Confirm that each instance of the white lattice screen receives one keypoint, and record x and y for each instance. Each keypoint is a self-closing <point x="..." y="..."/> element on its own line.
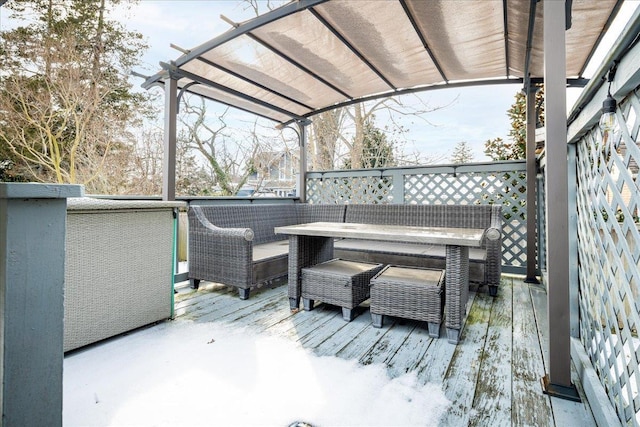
<point x="502" y="182"/>
<point x="608" y="202"/>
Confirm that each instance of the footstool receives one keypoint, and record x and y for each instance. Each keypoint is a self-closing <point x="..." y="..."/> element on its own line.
<point x="338" y="282"/>
<point x="408" y="292"/>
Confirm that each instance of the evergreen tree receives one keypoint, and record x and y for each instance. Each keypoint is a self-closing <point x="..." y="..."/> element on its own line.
<point x="462" y="153"/>
<point x="498" y="149"/>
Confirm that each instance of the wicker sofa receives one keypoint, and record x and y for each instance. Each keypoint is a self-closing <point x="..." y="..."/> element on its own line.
<point x="485" y="263"/>
<point x="236" y="245"/>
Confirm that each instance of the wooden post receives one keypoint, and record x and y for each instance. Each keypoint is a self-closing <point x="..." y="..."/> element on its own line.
<point x="32" y="232"/>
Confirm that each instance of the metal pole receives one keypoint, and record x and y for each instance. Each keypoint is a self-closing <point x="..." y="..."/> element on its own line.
<point x="169" y="160"/>
<point x="302" y="184"/>
<point x="530" y="93"/>
<point x="558" y="381"/>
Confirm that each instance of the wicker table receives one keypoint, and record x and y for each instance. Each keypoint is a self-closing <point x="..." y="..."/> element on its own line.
<point x="408" y="292"/>
<point x="338" y="282"/>
<point x="312" y="243"/>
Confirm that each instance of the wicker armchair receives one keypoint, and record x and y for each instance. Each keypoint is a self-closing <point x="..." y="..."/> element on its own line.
<point x="236" y="244"/>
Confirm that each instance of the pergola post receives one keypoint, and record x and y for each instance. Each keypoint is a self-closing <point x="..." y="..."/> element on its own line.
<point x="532" y="116"/>
<point x="170" y="119"/>
<point x="301" y="185"/>
<point x="558" y="381"/>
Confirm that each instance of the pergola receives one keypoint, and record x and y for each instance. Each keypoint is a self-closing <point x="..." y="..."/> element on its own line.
<point x="311" y="56"/>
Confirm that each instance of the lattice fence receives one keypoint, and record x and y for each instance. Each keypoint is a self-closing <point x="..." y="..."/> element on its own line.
<point x="608" y="202"/>
<point x="503" y="182"/>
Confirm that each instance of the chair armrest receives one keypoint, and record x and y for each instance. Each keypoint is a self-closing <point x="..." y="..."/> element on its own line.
<point x="492" y="234"/>
<point x="216" y="254"/>
<point x="245" y="233"/>
<point x="493" y="243"/>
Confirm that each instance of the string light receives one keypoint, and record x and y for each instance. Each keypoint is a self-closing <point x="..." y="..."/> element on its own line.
<point x="609" y="126"/>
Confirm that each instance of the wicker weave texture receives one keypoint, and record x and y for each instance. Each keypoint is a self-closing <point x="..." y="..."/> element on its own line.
<point x="306" y="251"/>
<point x="222" y="239"/>
<point x="459" y="216"/>
<point x="457" y="286"/>
<point x="118" y="274"/>
<point x="218" y="254"/>
<point x="339" y="282"/>
<point x="409" y="293"/>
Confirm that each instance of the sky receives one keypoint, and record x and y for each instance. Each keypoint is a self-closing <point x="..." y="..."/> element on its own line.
<point x="169" y="375"/>
<point x="473" y="115"/>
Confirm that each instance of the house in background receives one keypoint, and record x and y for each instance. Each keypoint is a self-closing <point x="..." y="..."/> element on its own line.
<point x="276" y="173"/>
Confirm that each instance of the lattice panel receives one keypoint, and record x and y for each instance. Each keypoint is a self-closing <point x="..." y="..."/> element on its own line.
<point x="361" y="189"/>
<point x="476" y="185"/>
<point x="482" y="187"/>
<point x="608" y="200"/>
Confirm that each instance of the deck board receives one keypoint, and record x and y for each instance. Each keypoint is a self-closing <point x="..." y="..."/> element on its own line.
<point x="492" y="377"/>
<point x="433" y="366"/>
<point x="564" y="411"/>
<point x="413" y="350"/>
<point x="492" y="401"/>
<point x="529" y="403"/>
<point x="460" y="381"/>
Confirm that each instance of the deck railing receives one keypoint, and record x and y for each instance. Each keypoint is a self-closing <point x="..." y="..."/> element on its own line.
<point x="472" y="183"/>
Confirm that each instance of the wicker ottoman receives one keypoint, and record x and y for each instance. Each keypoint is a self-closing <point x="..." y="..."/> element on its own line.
<point x="338" y="282"/>
<point x="410" y="293"/>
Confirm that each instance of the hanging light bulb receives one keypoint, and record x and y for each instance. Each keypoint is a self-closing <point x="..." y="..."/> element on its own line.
<point x="609" y="126"/>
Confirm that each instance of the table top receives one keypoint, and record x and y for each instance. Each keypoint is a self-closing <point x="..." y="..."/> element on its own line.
<point x="400" y="233"/>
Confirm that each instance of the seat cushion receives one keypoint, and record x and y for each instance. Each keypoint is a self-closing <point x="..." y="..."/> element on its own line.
<point x="270" y="261"/>
<point x="275" y="249"/>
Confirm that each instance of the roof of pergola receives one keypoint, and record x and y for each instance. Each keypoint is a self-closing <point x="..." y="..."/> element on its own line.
<point x="311" y="56"/>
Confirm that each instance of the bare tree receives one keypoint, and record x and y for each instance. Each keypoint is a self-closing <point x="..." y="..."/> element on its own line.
<point x="49" y="118"/>
<point x="324" y="138"/>
<point x="230" y="153"/>
<point x="339" y="136"/>
<point x="146" y="168"/>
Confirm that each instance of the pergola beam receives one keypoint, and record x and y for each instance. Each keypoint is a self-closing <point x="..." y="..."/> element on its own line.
<point x="412" y="19"/>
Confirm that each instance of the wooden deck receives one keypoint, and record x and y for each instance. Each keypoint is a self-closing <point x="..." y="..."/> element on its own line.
<point x="492" y="377"/>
